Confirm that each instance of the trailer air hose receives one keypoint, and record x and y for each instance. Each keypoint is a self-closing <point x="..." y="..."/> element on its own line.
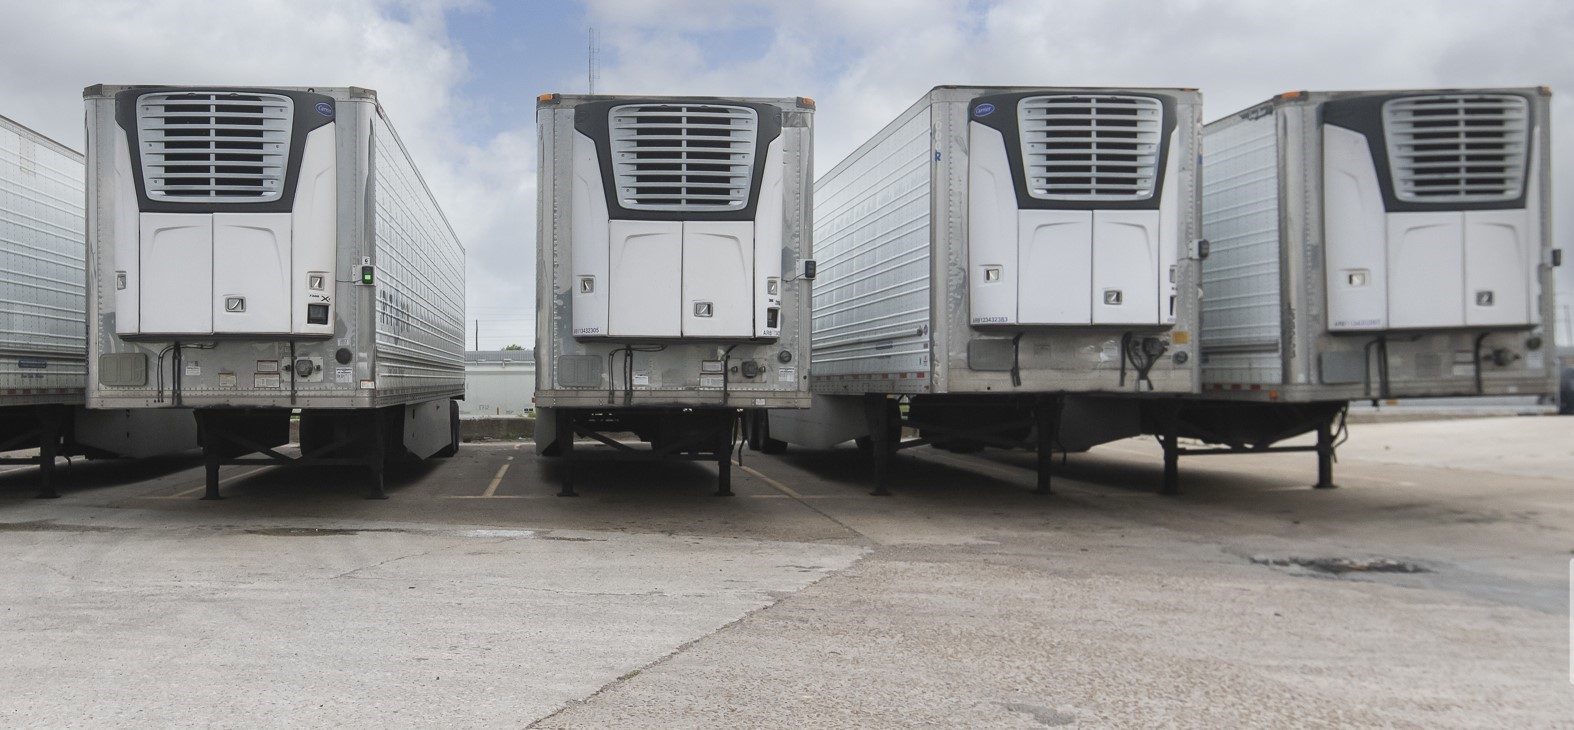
<point x="1125" y="348"/>
<point x="1016" y="360"/>
<point x="726" y="374"/>
<point x="1476" y="350"/>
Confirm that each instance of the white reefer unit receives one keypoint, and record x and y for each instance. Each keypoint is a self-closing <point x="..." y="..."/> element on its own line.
<point x="673" y="259"/>
<point x="1379" y="245"/>
<point x="43" y="334"/>
<point x="994" y="247"/>
<point x="256" y="250"/>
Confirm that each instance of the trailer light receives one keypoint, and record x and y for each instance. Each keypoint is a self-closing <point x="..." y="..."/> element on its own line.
<point x="343" y="356"/>
<point x="785" y="357"/>
<point x="366" y="274"/>
<point x="267" y="366"/>
<point x="772" y="318"/>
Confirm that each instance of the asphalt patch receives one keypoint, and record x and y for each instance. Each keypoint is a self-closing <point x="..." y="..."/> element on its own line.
<point x="1341" y="566"/>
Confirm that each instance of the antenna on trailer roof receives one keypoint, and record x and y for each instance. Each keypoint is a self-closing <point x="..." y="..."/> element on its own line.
<point x="594" y="54"/>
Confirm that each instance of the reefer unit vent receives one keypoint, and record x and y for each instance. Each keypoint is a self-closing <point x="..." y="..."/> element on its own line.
<point x="1431" y="210"/>
<point x="209" y="147"/>
<point x="226" y="205"/>
<point x="1096" y="147"/>
<point x="676" y="221"/>
<point x="687" y="158"/>
<point x="1073" y="209"/>
<point x="1457" y="148"/>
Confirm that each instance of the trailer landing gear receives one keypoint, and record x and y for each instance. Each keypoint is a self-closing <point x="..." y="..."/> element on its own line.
<point x="1245" y="428"/>
<point x="328" y="438"/>
<point x="47" y="427"/>
<point x="1046" y="417"/>
<point x="674" y="434"/>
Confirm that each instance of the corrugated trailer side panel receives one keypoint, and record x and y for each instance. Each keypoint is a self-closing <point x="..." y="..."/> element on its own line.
<point x="1242" y="277"/>
<point x="42" y="257"/>
<point x="872" y="298"/>
<point x="420" y="280"/>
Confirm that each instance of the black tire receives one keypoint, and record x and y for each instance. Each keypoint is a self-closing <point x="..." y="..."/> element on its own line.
<point x="759" y="433"/>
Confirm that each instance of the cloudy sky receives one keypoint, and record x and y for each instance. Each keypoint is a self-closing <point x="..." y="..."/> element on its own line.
<point x="459" y="77"/>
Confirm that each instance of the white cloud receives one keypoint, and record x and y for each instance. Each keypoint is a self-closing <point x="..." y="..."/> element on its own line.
<point x="401" y="48"/>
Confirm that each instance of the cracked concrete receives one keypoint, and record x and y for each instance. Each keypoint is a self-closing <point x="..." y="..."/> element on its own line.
<point x="963" y="601"/>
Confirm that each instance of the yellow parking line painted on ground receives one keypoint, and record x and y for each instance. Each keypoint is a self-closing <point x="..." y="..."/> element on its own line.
<point x="204" y="484"/>
<point x="778" y="486"/>
<point x="491" y="489"/>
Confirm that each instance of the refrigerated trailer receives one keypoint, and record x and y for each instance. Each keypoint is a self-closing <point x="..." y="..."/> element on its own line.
<point x="1370" y="245"/>
<point x="673" y="263"/>
<point x="258" y="252"/>
<point x="43" y="340"/>
<point x="992" y="250"/>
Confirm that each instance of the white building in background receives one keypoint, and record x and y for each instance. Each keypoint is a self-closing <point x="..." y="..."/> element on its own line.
<point x="499" y="383"/>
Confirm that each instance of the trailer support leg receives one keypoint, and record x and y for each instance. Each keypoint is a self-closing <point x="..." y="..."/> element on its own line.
<point x="1325" y="457"/>
<point x="565" y="444"/>
<point x="51" y="429"/>
<point x="877" y="410"/>
<point x="1046" y="414"/>
<point x="210" y="469"/>
<point x="1171" y="443"/>
<point x="378" y="458"/>
<point x="210" y="431"/>
<point x="724" y="452"/>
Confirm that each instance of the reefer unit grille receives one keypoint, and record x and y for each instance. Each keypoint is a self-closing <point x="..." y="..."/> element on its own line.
<point x="214" y="146"/>
<point x="1090" y="146"/>
<point x="684" y="157"/>
<point x="1457" y="148"/>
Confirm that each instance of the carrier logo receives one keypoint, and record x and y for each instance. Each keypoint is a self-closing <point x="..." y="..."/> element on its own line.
<point x="324" y="108"/>
<point x="983" y="110"/>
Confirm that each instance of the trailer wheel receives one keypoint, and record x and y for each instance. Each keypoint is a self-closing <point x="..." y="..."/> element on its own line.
<point x="760" y="435"/>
